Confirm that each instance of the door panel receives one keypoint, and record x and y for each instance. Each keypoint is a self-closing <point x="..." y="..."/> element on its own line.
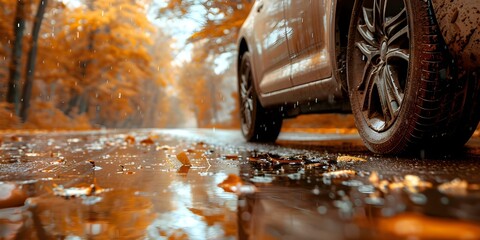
<point x="273" y="61"/>
<point x="307" y="39"/>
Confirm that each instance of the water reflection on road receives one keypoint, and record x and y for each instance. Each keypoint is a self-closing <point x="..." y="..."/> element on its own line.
<point x="165" y="185"/>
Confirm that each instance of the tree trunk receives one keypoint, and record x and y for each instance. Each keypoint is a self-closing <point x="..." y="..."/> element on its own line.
<point x="32" y="57"/>
<point x="13" y="94"/>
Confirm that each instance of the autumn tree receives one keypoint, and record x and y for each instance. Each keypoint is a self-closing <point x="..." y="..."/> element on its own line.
<point x="7" y="16"/>
<point x="13" y="94"/>
<point x="98" y="58"/>
<point x="199" y="87"/>
<point x="220" y="21"/>
<point x="31" y="61"/>
<point x="15" y="39"/>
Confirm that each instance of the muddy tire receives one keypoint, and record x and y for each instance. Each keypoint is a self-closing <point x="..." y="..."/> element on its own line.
<point x="257" y="123"/>
<point x="459" y="21"/>
<point x="401" y="86"/>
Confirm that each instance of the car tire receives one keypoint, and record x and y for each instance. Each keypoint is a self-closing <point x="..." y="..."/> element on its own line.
<point x="403" y="90"/>
<point x="258" y="124"/>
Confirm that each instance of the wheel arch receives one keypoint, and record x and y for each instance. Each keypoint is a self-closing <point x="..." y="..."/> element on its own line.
<point x="341" y="23"/>
<point x="242" y="48"/>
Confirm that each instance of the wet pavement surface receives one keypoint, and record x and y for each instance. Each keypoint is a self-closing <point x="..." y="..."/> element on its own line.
<point x="210" y="184"/>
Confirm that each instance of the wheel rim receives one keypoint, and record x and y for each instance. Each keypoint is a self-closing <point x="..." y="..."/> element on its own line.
<point x="380" y="61"/>
<point x="246" y="97"/>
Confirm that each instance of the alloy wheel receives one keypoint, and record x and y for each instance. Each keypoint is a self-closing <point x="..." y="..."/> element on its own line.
<point x="382" y="50"/>
<point x="246" y="97"/>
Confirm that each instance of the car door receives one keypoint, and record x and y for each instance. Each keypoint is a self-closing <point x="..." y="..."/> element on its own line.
<point x="307" y="40"/>
<point x="272" y="62"/>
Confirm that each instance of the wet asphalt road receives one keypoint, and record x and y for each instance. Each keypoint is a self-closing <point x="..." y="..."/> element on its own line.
<point x="210" y="184"/>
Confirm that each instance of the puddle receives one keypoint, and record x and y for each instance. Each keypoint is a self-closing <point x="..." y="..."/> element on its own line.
<point x="145" y="185"/>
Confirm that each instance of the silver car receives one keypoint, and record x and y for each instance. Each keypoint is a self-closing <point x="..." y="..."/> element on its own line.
<point x="385" y="61"/>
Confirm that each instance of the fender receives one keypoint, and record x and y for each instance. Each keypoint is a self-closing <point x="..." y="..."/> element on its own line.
<point x="459" y="21"/>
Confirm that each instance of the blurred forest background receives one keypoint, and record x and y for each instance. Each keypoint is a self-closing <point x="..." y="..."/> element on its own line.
<point x="82" y="64"/>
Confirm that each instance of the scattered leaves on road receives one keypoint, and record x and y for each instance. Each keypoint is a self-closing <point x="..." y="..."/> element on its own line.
<point x="411" y="183"/>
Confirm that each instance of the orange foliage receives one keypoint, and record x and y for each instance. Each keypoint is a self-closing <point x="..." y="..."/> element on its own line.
<point x="97" y="61"/>
<point x="7" y="118"/>
<point x="222" y="20"/>
<point x="44" y="116"/>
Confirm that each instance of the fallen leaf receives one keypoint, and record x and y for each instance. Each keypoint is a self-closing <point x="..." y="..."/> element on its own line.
<point x="147" y="141"/>
<point x="340" y="174"/>
<point x="91" y="162"/>
<point x="16" y="138"/>
<point x="234" y="184"/>
<point x="183" y="158"/>
<point x="231" y="156"/>
<point x="374" y="179"/>
<point x="11" y="195"/>
<point x="349" y="159"/>
<point x="413" y="183"/>
<point x="130" y="139"/>
<point x="456" y="187"/>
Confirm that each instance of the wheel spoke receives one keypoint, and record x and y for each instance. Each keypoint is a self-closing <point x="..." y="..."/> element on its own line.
<point x="395" y="96"/>
<point x="367" y="35"/>
<point x="378" y="15"/>
<point x="392" y="23"/>
<point x="368" y="51"/>
<point x="384" y="97"/>
<point x="367" y="15"/>
<point x="397" y="35"/>
<point x="398" y="53"/>
<point x="369" y="85"/>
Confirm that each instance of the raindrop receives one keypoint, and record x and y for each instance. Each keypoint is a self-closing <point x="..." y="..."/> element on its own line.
<point x="419" y="198"/>
<point x="322" y="210"/>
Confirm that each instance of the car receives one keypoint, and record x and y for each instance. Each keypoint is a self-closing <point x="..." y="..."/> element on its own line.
<point x="384" y="61"/>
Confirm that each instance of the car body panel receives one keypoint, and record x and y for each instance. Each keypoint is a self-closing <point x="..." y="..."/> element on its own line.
<point x="270" y="54"/>
<point x="458" y="21"/>
<point x="308" y="42"/>
<point x="291" y="67"/>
